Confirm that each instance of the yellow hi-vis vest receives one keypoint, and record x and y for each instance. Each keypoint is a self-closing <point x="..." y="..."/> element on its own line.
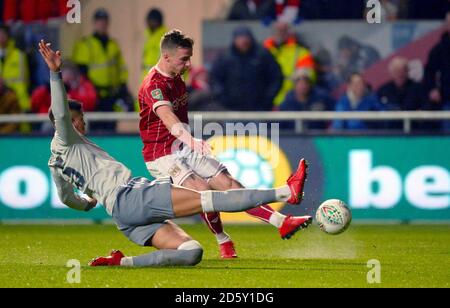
<point x="152" y="51"/>
<point x="14" y="71"/>
<point x="291" y="57"/>
<point x="106" y="66"/>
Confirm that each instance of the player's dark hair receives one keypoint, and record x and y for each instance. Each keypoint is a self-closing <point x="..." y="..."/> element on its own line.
<point x="73" y="106"/>
<point x="176" y="39"/>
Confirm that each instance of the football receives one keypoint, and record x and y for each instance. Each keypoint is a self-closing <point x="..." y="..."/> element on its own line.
<point x="333" y="216"/>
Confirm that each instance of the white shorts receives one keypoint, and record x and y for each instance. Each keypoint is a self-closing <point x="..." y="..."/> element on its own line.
<point x="184" y="163"/>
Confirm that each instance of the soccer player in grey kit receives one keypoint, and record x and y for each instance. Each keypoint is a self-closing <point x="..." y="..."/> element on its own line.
<point x="141" y="209"/>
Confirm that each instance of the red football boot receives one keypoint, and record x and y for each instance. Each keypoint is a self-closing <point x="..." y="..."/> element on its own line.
<point x="292" y="224"/>
<point x="297" y="181"/>
<point x="113" y="259"/>
<point x="227" y="250"/>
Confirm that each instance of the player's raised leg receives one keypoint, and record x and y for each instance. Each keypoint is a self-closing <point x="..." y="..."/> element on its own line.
<point x="188" y="202"/>
<point x="287" y="225"/>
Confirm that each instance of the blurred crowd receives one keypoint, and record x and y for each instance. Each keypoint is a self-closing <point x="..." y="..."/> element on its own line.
<point x="281" y="73"/>
<point x="277" y="74"/>
<point x="293" y="11"/>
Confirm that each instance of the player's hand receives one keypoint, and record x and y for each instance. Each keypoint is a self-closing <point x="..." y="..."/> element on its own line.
<point x="201" y="146"/>
<point x="53" y="59"/>
<point x="91" y="204"/>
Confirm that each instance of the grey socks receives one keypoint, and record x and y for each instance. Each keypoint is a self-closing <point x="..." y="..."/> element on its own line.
<point x="188" y="254"/>
<point x="167" y="257"/>
<point x="236" y="200"/>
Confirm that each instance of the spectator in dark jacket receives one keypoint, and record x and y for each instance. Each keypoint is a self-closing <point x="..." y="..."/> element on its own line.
<point x="246" y="77"/>
<point x="306" y="97"/>
<point x="437" y="75"/>
<point x="401" y="93"/>
<point x="358" y="98"/>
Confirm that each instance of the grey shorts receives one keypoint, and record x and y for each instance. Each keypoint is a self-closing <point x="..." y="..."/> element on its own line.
<point x="142" y="207"/>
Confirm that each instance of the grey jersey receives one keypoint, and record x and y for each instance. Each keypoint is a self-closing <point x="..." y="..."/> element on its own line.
<point x="76" y="162"/>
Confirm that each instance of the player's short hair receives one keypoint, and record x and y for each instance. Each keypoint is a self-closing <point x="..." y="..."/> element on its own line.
<point x="176" y="39"/>
<point x="73" y="106"/>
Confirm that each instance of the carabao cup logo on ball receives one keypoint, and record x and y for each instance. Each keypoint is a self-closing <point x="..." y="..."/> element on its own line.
<point x="256" y="162"/>
<point x="333" y="216"/>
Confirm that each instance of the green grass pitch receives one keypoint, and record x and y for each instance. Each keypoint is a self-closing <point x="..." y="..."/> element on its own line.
<point x="410" y="256"/>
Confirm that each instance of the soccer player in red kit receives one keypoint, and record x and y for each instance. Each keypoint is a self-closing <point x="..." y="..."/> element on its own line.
<point x="171" y="151"/>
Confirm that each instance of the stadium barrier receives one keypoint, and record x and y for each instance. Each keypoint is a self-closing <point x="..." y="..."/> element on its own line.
<point x="299" y="117"/>
<point x="383" y="177"/>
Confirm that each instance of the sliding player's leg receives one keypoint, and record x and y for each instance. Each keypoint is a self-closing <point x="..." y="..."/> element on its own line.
<point x="142" y="208"/>
<point x="176" y="248"/>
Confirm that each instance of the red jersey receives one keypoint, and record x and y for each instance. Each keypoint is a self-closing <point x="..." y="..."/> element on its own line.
<point x="158" y="90"/>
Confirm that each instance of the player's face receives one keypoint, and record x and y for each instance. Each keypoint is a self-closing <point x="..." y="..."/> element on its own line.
<point x="180" y="60"/>
<point x="78" y="122"/>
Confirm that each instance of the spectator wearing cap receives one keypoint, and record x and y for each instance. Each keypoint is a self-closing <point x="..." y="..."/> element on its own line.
<point x="99" y="58"/>
<point x="306" y="97"/>
<point x="290" y="55"/>
<point x="401" y="93"/>
<point x="246" y="77"/>
<point x="357" y="98"/>
<point x="153" y="34"/>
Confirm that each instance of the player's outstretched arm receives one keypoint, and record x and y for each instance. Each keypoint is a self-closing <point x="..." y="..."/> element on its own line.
<point x="60" y="108"/>
<point x="177" y="129"/>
